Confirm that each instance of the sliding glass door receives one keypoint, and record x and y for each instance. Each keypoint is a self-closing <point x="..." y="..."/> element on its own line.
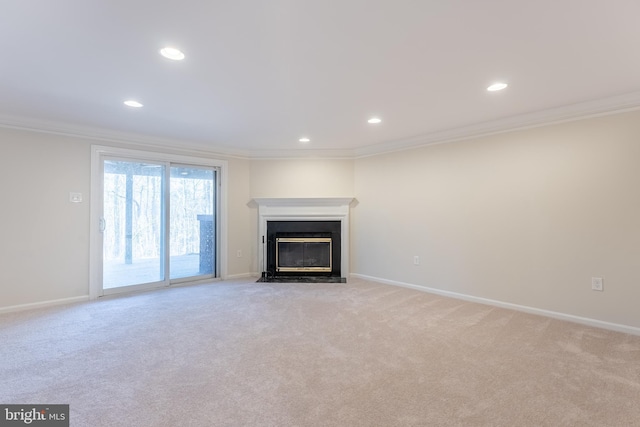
<point x="158" y="223"/>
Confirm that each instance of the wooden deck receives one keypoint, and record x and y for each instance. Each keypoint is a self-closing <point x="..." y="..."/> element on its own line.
<point x="117" y="273"/>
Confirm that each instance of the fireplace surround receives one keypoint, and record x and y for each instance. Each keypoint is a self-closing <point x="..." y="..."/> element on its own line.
<point x="303" y="239"/>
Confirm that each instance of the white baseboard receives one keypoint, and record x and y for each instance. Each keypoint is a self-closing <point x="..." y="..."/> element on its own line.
<point x="242" y="276"/>
<point x="42" y="304"/>
<point x="523" y="308"/>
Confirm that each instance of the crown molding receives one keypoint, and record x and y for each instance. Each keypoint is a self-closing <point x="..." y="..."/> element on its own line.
<point x="579" y="111"/>
<point x="112" y="136"/>
<point x="335" y="154"/>
<point x="147" y="141"/>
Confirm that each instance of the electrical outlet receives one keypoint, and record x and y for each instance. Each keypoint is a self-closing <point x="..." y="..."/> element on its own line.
<point x="239" y="253"/>
<point x="597" y="284"/>
<point x="75" y="197"/>
<point x="416" y="260"/>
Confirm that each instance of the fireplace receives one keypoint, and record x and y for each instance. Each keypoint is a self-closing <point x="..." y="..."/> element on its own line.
<point x="304" y="240"/>
<point x="303" y="250"/>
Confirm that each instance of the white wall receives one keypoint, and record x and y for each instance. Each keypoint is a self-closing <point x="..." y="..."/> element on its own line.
<point x="239" y="219"/>
<point x="302" y="178"/>
<point x="525" y="218"/>
<point x="44" y="243"/>
<point x="44" y="238"/>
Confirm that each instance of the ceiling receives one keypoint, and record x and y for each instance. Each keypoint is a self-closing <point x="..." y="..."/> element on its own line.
<point x="259" y="75"/>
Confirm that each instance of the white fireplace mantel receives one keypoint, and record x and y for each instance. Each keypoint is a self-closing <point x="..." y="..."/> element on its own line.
<point x="305" y="209"/>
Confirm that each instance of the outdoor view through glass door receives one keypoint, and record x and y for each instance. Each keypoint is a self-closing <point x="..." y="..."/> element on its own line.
<point x="192" y="222"/>
<point x="158" y="223"/>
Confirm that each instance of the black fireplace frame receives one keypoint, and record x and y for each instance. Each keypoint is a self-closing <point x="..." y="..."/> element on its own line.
<point x="275" y="229"/>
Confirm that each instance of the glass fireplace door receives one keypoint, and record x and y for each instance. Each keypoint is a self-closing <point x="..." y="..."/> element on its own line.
<point x="303" y="254"/>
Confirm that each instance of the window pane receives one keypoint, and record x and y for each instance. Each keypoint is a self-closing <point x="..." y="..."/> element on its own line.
<point x="132" y="238"/>
<point x="191" y="228"/>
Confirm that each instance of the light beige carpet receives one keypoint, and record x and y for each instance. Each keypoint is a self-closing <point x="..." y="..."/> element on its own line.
<point x="270" y="354"/>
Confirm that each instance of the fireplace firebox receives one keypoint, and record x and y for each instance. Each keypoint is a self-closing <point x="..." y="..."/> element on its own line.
<point x="303" y="254"/>
<point x="305" y="251"/>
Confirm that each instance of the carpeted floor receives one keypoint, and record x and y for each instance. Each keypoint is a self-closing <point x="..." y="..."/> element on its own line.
<point x="240" y="353"/>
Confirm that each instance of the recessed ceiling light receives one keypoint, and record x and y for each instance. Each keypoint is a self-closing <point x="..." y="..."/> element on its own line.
<point x="497" y="86"/>
<point x="172" y="53"/>
<point x="132" y="103"/>
<point x="304" y="140"/>
<point x="374" y="120"/>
